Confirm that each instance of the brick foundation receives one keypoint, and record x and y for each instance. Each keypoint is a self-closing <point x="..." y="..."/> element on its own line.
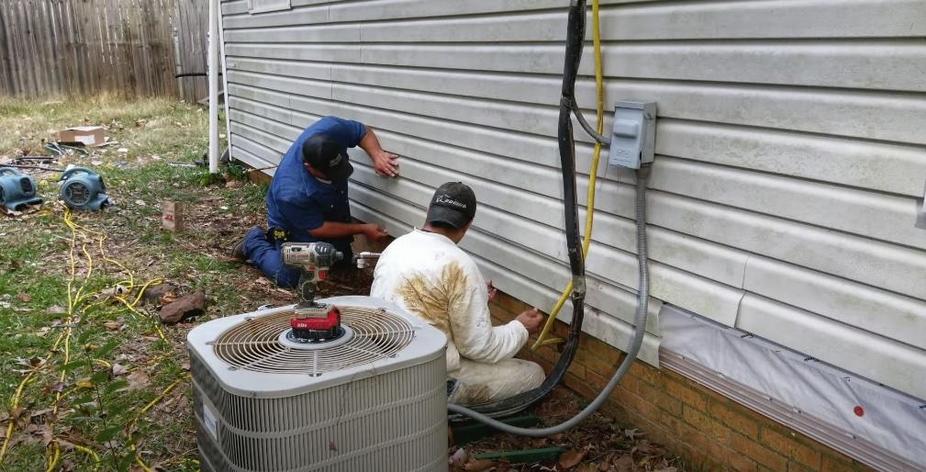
<point x="707" y="430"/>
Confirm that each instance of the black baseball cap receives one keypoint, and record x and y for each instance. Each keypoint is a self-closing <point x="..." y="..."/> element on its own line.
<point x="454" y="203"/>
<point x="327" y="156"/>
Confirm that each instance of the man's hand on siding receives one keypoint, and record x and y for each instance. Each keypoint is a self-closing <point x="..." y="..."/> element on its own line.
<point x="386" y="163"/>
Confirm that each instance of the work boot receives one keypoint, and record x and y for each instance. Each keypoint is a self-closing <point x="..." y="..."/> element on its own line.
<point x="237" y="249"/>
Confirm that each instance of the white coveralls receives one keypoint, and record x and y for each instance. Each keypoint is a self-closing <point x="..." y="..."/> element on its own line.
<point x="429" y="276"/>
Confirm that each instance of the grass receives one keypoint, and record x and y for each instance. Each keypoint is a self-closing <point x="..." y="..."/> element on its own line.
<point x="98" y="380"/>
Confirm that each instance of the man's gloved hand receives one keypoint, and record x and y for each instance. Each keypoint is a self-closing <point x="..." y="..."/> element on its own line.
<point x="531" y="319"/>
<point x="386" y="163"/>
<point x="374" y="232"/>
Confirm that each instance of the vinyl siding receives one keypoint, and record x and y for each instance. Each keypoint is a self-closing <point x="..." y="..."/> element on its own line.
<point x="790" y="151"/>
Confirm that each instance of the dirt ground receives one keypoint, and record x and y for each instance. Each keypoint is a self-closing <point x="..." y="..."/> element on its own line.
<point x="89" y="377"/>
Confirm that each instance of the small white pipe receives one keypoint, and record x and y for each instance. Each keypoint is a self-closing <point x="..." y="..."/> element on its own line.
<point x="213" y="67"/>
<point x="224" y="61"/>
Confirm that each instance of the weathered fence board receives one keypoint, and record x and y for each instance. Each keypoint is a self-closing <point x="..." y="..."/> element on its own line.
<point x="129" y="47"/>
<point x="192" y="31"/>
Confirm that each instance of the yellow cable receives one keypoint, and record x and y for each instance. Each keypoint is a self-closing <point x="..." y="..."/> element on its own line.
<point x="55" y="457"/>
<point x="87" y="451"/>
<point x="160" y="397"/>
<point x="131" y="306"/>
<point x="138" y="459"/>
<point x="75" y="298"/>
<point x="592" y="177"/>
<point x="17" y="397"/>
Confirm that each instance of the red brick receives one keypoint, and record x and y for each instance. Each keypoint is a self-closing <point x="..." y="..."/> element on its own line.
<point x="736" y="421"/>
<point x="759" y="453"/>
<point x="577" y="370"/>
<point x="840" y="463"/>
<point x="660" y="399"/>
<point x="631" y="383"/>
<point x="547" y="354"/>
<point x="577" y="384"/>
<point x="595" y="380"/>
<point x="806" y="456"/>
<point x="640" y="405"/>
<point x="604" y="364"/>
<point x="706" y="424"/>
<point x="789" y="446"/>
<point x="740" y="463"/>
<point x="686" y="394"/>
<point x="647" y="373"/>
<point x="798" y="467"/>
<point x="710" y="453"/>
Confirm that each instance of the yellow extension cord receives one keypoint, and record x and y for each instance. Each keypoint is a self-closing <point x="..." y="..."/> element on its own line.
<point x="74" y="301"/>
<point x="592" y="180"/>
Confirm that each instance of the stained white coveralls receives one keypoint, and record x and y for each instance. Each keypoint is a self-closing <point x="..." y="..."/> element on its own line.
<point x="429" y="276"/>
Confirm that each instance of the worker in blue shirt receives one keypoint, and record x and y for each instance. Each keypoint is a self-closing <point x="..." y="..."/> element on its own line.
<point x="307" y="200"/>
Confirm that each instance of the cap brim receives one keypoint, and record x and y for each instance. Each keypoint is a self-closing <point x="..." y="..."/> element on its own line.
<point x="342" y="171"/>
<point x="441" y="214"/>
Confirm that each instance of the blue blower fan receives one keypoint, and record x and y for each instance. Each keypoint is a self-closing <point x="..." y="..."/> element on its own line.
<point x="82" y="189"/>
<point x="17" y="190"/>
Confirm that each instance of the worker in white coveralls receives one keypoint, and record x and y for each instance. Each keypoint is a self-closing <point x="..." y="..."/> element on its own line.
<point x="427" y="274"/>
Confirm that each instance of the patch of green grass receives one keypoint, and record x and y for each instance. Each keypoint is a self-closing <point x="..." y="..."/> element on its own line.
<point x="98" y="408"/>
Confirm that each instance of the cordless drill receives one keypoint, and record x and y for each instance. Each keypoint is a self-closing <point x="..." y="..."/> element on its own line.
<point x="313" y="322"/>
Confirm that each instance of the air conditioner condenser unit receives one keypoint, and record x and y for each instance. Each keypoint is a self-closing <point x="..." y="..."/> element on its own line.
<point x="373" y="399"/>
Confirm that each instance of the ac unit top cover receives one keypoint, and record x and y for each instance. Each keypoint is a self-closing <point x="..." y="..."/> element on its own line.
<point x="250" y="356"/>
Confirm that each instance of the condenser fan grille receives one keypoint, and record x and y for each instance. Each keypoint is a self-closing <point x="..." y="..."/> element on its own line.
<point x="255" y="344"/>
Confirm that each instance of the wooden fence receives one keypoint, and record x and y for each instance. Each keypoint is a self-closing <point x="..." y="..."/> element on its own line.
<point x="128" y="47"/>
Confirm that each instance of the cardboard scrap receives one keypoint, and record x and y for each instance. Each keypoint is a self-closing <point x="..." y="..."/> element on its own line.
<point x="90" y="136"/>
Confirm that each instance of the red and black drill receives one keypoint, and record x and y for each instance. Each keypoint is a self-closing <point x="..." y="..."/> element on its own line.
<point x="313" y="322"/>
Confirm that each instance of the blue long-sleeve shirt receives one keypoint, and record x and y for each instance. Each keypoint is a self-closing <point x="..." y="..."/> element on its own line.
<point x="297" y="201"/>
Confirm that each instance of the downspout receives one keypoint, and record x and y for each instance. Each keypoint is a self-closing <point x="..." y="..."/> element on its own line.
<point x="224" y="60"/>
<point x="213" y="66"/>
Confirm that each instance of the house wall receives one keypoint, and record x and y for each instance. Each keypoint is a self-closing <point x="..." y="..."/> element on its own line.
<point x="789" y="151"/>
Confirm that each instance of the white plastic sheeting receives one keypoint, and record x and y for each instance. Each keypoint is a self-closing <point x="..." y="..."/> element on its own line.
<point x="866" y="420"/>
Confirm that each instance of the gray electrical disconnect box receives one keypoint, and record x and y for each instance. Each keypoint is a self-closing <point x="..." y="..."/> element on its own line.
<point x="633" y="138"/>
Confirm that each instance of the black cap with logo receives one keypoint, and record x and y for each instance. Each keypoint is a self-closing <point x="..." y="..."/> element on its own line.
<point x="327" y="156"/>
<point x="453" y="204"/>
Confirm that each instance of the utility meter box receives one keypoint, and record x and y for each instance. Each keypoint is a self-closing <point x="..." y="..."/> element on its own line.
<point x="633" y="138"/>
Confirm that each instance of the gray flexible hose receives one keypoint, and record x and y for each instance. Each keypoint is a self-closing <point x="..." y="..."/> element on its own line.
<point x="639" y="329"/>
<point x="601" y="139"/>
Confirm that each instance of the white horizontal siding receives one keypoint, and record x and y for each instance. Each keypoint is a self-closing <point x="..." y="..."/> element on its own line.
<point x="790" y="151"/>
<point x="627" y="20"/>
<point x="859" y="258"/>
<point x="872" y="115"/>
<point x="867" y="64"/>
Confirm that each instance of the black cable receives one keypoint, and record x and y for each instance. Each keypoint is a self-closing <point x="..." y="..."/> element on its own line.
<point x="575" y="35"/>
